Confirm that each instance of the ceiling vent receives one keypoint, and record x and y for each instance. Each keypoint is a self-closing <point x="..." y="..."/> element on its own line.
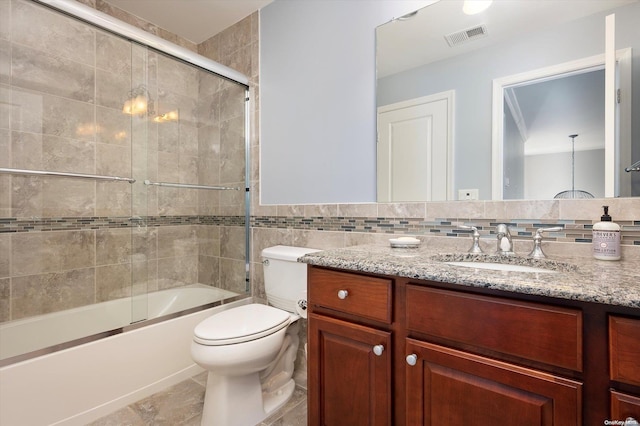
<point x="463" y="36"/>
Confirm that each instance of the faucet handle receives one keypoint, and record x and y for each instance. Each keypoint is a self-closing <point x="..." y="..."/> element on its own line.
<point x="537" y="252"/>
<point x="475" y="248"/>
<point x="539" y="231"/>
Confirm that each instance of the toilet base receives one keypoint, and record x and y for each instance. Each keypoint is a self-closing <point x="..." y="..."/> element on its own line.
<point x="275" y="399"/>
<point x="240" y="401"/>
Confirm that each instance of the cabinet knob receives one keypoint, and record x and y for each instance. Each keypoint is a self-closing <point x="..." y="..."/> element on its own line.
<point x="342" y="294"/>
<point x="412" y="359"/>
<point x="378" y="349"/>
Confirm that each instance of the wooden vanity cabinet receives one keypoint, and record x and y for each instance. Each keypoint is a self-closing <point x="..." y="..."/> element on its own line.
<point x="349" y="349"/>
<point x="624" y="366"/>
<point x="459" y="355"/>
<point x="445" y="385"/>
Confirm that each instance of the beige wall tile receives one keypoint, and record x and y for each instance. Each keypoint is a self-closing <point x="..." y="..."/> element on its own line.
<point x="113" y="282"/>
<point x="26" y="150"/>
<point x="113" y="127"/>
<point x="67" y="118"/>
<point x="358" y="210"/>
<point x="113" y="199"/>
<point x="145" y="243"/>
<point x="458" y="209"/>
<point x="112" y="89"/>
<point x="36" y="253"/>
<point x="232" y="275"/>
<point x="26" y="196"/>
<point x="619" y="208"/>
<point x="113" y="53"/>
<point x="113" y="246"/>
<point x="113" y="160"/>
<point x="262" y="238"/>
<point x="177" y="272"/>
<point x="26" y="109"/>
<point x="319" y="239"/>
<point x="177" y="241"/>
<point x="209" y="270"/>
<point x="541" y="209"/>
<point x="68" y="155"/>
<point x="321" y="210"/>
<point x="38" y="70"/>
<point x="5" y="255"/>
<point x="6" y="110"/>
<point x="144" y="276"/>
<point x="5" y="20"/>
<point x="5" y="299"/>
<point x="177" y="77"/>
<point x="208" y="240"/>
<point x="232" y="242"/>
<point x="290" y="210"/>
<point x="35" y="26"/>
<point x="5" y="60"/>
<point x="5" y="196"/>
<point x="415" y="210"/>
<point x="65" y="197"/>
<point x="51" y="292"/>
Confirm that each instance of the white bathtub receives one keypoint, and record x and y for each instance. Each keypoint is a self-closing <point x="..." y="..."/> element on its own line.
<point x="43" y="331"/>
<point x="80" y="384"/>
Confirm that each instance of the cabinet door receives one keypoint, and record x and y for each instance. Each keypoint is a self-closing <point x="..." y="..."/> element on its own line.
<point x="349" y="383"/>
<point x="624" y="406"/>
<point x="454" y="388"/>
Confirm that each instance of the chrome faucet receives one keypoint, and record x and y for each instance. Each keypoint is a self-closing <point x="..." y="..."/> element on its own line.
<point x="537" y="252"/>
<point x="505" y="245"/>
<point x="475" y="247"/>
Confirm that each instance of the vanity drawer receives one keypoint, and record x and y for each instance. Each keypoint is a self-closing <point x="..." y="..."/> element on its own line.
<point x="537" y="332"/>
<point x="624" y="349"/>
<point x="367" y="297"/>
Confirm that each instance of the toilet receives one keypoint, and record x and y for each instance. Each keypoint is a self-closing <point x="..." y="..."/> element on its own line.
<point x="249" y="351"/>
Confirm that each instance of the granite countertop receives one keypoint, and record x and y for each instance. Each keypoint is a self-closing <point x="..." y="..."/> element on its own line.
<point x="584" y="279"/>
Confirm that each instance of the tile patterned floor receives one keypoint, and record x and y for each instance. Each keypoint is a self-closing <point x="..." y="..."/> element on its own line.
<point x="181" y="405"/>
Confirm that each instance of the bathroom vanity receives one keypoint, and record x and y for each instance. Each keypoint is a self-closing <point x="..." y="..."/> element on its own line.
<point x="398" y="337"/>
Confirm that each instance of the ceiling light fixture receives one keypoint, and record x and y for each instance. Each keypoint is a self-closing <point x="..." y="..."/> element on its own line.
<point x="471" y="7"/>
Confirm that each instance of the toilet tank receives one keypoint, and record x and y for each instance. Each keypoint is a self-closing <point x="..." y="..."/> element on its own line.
<point x="285" y="280"/>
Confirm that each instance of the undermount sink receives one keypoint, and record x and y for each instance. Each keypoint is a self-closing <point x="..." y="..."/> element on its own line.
<point x="501" y="267"/>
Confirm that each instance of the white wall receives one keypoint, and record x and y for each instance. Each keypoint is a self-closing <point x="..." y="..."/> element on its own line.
<point x="317" y="99"/>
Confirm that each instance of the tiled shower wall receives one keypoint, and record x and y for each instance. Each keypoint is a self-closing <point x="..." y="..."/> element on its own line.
<point x="69" y="242"/>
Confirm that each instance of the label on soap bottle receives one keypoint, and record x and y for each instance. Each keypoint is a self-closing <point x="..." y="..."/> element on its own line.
<point x="606" y="245"/>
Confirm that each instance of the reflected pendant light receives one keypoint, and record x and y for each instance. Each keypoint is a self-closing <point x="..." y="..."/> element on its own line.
<point x="573" y="192"/>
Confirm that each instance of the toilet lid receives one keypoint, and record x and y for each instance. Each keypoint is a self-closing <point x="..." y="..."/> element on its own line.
<point x="241" y="324"/>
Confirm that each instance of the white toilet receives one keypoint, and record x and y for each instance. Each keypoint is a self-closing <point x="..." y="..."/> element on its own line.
<point x="250" y="350"/>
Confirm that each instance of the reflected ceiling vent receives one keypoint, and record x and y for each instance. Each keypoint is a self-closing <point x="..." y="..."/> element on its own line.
<point x="464" y="36"/>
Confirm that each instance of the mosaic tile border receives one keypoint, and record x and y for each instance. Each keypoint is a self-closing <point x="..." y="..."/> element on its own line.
<point x="578" y="231"/>
<point x="88" y="223"/>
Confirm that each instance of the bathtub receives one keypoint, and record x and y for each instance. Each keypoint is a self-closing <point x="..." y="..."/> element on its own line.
<point x="65" y="327"/>
<point x="82" y="383"/>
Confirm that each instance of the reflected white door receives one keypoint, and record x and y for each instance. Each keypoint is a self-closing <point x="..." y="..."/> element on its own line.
<point x="414" y="149"/>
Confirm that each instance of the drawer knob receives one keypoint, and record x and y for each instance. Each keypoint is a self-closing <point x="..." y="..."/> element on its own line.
<point x="378" y="349"/>
<point x="342" y="294"/>
<point x="412" y="359"/>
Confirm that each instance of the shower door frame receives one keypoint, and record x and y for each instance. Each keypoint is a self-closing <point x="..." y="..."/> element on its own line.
<point x="112" y="25"/>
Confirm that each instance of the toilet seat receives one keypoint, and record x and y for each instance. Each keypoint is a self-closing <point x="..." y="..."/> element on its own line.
<point x="241" y="324"/>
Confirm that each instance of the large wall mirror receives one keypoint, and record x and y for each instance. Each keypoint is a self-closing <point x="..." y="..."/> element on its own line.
<point x="508" y="103"/>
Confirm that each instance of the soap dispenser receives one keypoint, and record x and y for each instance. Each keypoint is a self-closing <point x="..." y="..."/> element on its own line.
<point x="606" y="238"/>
